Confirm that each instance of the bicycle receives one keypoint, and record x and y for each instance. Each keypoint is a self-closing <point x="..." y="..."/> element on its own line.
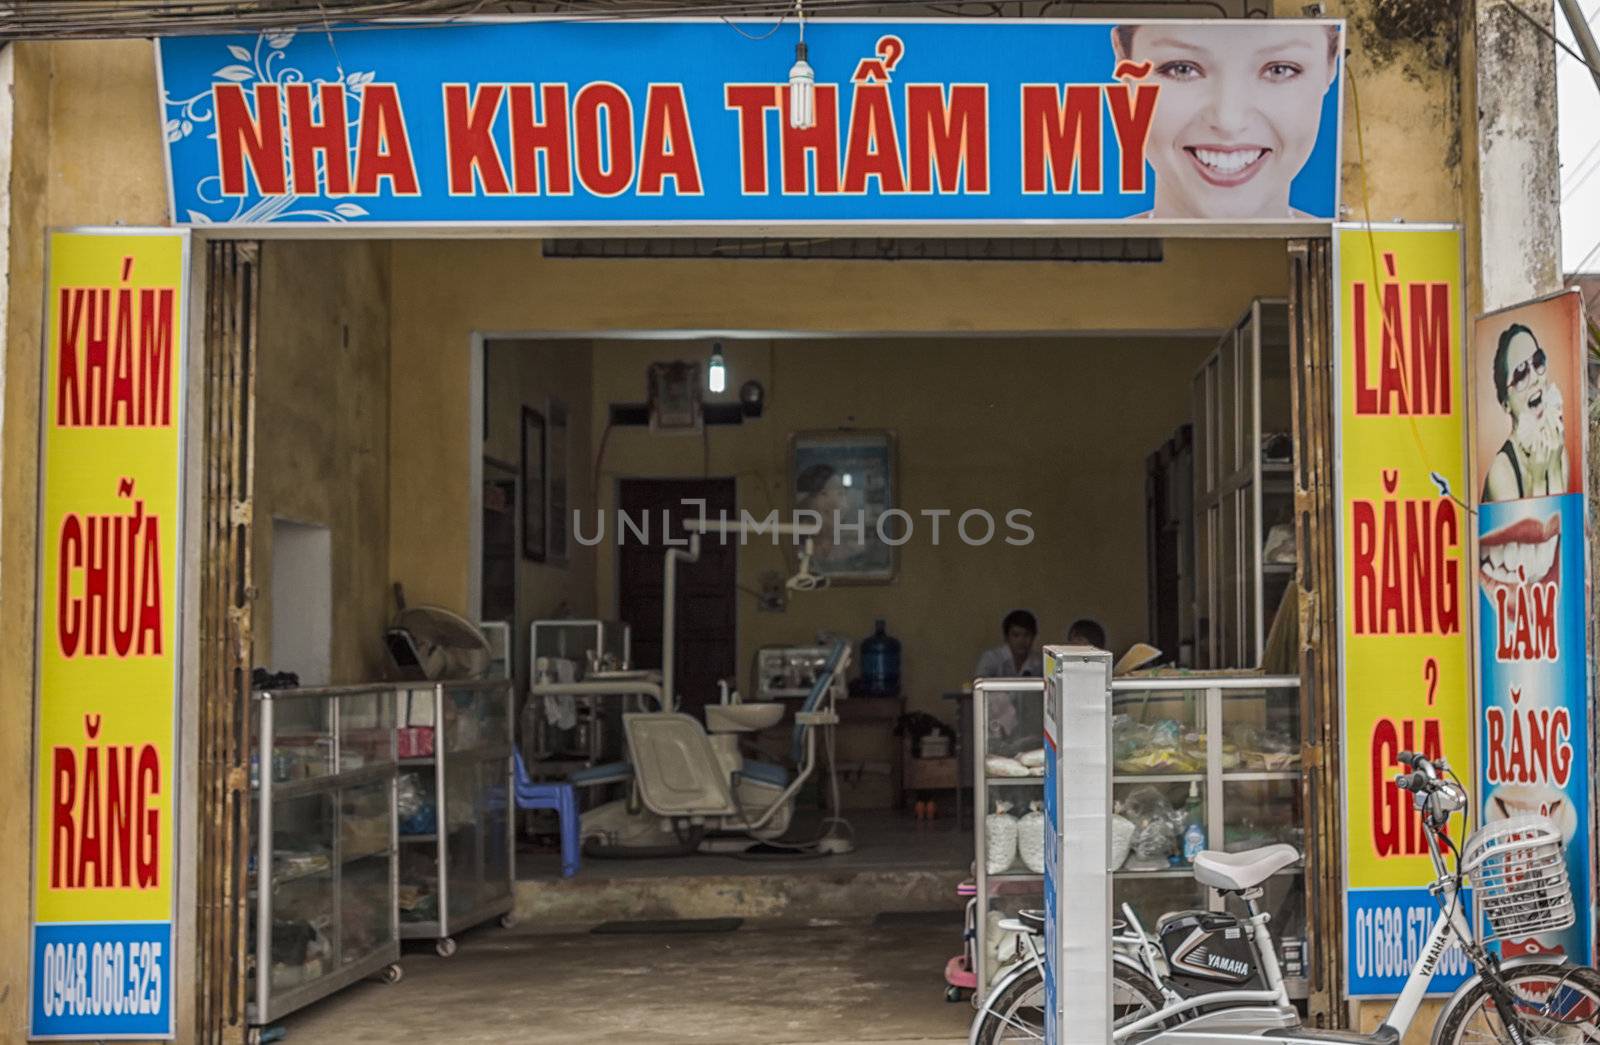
<point x="1214" y="978"/>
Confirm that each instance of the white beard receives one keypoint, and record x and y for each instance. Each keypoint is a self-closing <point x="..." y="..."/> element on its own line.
<point x="1539" y="438"/>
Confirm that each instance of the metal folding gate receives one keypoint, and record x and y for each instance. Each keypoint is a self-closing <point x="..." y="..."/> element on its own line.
<point x="1312" y="363"/>
<point x="226" y="594"/>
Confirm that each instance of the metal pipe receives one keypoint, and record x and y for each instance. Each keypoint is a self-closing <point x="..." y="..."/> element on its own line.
<point x="264" y="882"/>
<point x="1583" y="37"/>
<point x="669" y="613"/>
<point x="620" y="688"/>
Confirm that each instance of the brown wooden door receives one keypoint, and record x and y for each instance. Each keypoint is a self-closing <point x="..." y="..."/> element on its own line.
<point x="707" y="610"/>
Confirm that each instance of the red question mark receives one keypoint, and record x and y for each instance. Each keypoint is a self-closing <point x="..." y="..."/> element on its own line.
<point x="1430" y="672"/>
<point x="890" y="48"/>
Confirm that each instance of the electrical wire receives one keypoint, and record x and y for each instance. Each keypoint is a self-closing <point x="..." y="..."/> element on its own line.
<point x="1390" y="334"/>
<point x="109" y="19"/>
<point x="1581" y="60"/>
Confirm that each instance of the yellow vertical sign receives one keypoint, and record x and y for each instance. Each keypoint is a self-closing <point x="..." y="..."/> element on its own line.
<point x="106" y="784"/>
<point x="1405" y="533"/>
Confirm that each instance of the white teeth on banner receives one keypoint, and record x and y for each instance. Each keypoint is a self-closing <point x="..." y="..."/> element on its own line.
<point x="1230" y="162"/>
<point x="1501" y="563"/>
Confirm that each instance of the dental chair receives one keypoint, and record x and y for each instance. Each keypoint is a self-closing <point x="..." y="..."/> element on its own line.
<point x="692" y="790"/>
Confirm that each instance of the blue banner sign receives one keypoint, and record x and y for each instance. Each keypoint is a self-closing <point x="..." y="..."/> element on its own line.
<point x="1187" y="126"/>
<point x="1535" y="731"/>
<point x="1530" y="411"/>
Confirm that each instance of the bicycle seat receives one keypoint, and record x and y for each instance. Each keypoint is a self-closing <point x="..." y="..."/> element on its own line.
<point x="1246" y="870"/>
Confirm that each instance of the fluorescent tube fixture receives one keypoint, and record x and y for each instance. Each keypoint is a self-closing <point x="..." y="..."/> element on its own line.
<point x="717" y="371"/>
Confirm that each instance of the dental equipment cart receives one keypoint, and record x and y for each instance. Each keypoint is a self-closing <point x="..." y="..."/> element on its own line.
<point x="323" y="864"/>
<point x="594" y="648"/>
<point x="457" y="852"/>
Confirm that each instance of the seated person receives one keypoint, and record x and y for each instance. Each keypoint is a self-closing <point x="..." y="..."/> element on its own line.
<point x="1087" y="632"/>
<point x="1016" y="720"/>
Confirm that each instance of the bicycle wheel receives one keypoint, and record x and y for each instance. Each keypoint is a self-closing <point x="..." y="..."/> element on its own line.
<point x="1016" y="1014"/>
<point x="1556" y="1004"/>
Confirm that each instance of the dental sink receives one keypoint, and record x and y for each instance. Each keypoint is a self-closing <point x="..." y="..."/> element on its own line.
<point x="742" y="718"/>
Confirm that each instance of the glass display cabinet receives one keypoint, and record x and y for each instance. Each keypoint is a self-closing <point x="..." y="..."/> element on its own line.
<point x="457" y="854"/>
<point x="1008" y="784"/>
<point x="1220" y="750"/>
<point x="322" y="873"/>
<point x="1243" y="465"/>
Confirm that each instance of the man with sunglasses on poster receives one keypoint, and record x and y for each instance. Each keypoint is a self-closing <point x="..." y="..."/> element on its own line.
<point x="1533" y="461"/>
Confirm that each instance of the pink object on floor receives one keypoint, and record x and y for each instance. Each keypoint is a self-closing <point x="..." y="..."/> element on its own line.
<point x="957" y="974"/>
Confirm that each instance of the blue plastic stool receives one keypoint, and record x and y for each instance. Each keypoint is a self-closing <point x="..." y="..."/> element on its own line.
<point x="562" y="799"/>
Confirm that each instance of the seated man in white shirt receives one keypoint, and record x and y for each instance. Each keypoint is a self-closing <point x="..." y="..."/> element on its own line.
<point x="1016" y="720"/>
<point x="1016" y="657"/>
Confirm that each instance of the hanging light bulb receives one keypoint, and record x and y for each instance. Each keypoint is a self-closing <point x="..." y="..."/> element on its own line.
<point x="717" y="371"/>
<point x="802" y="81"/>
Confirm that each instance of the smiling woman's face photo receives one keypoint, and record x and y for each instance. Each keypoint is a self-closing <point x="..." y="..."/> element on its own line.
<point x="1237" y="116"/>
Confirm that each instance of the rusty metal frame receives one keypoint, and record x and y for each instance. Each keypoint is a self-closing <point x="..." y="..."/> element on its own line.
<point x="1317" y="578"/>
<point x="226" y="595"/>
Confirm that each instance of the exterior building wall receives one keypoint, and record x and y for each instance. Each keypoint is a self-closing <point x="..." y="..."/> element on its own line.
<point x="85" y="136"/>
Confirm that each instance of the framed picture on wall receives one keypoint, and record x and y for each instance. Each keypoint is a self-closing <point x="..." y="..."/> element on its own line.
<point x="534" y="531"/>
<point x="847" y="477"/>
<point x="556" y="464"/>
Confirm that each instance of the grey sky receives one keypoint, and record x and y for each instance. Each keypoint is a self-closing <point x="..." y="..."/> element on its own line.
<point x="1579" y="101"/>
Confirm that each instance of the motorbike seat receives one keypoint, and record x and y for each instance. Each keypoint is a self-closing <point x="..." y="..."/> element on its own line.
<point x="1235" y="872"/>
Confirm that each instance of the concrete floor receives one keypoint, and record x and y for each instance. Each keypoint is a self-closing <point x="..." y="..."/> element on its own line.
<point x="884" y="840"/>
<point x="774" y="985"/>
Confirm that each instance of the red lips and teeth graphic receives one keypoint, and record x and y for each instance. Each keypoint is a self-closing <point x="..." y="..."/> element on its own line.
<point x="1525" y="552"/>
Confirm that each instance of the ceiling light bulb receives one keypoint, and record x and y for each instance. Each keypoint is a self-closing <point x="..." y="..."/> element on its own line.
<point x="717" y="371"/>
<point x="802" y="91"/>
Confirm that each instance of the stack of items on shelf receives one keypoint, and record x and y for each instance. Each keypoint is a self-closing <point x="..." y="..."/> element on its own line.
<point x="1009" y="837"/>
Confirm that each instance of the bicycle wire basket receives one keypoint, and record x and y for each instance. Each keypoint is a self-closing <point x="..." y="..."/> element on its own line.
<point x="1519" y="878"/>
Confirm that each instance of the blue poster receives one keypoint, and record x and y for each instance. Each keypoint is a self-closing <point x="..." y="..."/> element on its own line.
<point x="554" y="123"/>
<point x="102" y="980"/>
<point x="1534" y="733"/>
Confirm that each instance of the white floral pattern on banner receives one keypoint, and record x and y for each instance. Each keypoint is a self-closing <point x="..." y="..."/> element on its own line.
<point x="266" y="63"/>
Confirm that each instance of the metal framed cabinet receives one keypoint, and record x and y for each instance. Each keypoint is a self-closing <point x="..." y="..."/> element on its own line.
<point x="1243" y="488"/>
<point x="1234" y="737"/>
<point x="323" y="875"/>
<point x="458" y="853"/>
<point x="1235" y="741"/>
<point x="1007" y="721"/>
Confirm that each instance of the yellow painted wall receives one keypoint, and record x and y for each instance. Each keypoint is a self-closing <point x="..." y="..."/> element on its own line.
<point x="1056" y="426"/>
<point x="445" y="291"/>
<point x="322" y="434"/>
<point x="529" y="373"/>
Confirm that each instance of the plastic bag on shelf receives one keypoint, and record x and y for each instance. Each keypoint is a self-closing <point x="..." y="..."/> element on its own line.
<point x="1030" y="837"/>
<point x="1000" y="834"/>
<point x="1000" y="765"/>
<point x="1156" y="826"/>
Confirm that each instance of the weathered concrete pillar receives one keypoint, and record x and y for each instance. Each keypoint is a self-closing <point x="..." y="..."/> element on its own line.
<point x="1518" y="198"/>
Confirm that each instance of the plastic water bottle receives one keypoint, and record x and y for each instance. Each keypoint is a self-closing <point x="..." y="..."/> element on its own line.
<point x="880" y="662"/>
<point x="1194" y="834"/>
